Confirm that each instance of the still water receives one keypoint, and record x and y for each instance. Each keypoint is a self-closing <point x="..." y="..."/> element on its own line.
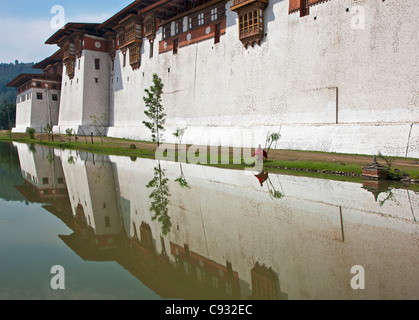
<point x="125" y="228"/>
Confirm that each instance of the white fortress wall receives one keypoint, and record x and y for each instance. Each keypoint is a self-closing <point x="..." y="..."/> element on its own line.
<point x="44" y="111"/>
<point x="71" y="103"/>
<point x="88" y="93"/>
<point x="97" y="94"/>
<point x="23" y="116"/>
<point x="323" y="81"/>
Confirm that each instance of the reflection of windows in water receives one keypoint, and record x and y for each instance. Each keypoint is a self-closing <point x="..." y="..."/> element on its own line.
<point x="187" y="268"/>
<point x="229" y="288"/>
<point x="199" y="274"/>
<point x="215" y="281"/>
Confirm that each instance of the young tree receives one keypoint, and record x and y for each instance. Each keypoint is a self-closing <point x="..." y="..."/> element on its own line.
<point x="99" y="123"/>
<point x="48" y="130"/>
<point x="179" y="134"/>
<point x="69" y="132"/>
<point x="154" y="109"/>
<point x="270" y="139"/>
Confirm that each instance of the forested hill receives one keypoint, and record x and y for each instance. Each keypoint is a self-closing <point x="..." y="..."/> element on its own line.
<point x="9" y="71"/>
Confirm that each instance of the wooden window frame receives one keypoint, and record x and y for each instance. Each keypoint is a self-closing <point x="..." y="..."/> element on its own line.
<point x="304" y="8"/>
<point x="97" y="64"/>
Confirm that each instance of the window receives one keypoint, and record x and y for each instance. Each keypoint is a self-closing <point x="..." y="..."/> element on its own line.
<point x="55" y="97"/>
<point x="149" y="26"/>
<point x="135" y="57"/>
<point x="200" y="19"/>
<point x="38" y="84"/>
<point x="179" y="26"/>
<point x="96" y="80"/>
<point x="54" y="86"/>
<point x="107" y="221"/>
<point x="217" y="33"/>
<point x="151" y="49"/>
<point x="251" y="23"/>
<point x="39" y="95"/>
<point x="214" y="15"/>
<point x="251" y="26"/>
<point x="60" y="180"/>
<point x="304" y="8"/>
<point x="175" y="45"/>
<point x="125" y="60"/>
<point x="167" y="32"/>
<point x="97" y="64"/>
<point x="45" y="180"/>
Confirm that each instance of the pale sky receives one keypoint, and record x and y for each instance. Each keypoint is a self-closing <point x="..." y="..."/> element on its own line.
<point x="25" y="25"/>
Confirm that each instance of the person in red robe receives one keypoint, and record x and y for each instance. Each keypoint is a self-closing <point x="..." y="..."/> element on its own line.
<point x="261" y="154"/>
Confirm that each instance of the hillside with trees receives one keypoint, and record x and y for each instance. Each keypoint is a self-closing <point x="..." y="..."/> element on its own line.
<point x="9" y="71"/>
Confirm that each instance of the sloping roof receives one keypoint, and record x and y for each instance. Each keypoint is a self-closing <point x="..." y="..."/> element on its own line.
<point x="56" y="57"/>
<point x="132" y="8"/>
<point x="144" y="6"/>
<point x="25" y="77"/>
<point x="90" y="28"/>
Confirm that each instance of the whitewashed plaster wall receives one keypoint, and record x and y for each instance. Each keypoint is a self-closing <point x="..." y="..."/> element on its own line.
<point x="307" y="74"/>
<point x="23" y="116"/>
<point x="82" y="97"/>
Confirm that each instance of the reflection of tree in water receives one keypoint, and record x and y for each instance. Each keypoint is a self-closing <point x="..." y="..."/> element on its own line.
<point x="103" y="172"/>
<point x="160" y="199"/>
<point x="182" y="180"/>
<point x="263" y="177"/>
<point x="272" y="190"/>
<point x="390" y="196"/>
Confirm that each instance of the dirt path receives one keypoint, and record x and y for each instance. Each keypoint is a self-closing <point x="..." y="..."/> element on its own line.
<point x="295" y="155"/>
<point x="284" y="155"/>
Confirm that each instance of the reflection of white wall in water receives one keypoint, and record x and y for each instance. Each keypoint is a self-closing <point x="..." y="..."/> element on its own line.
<point x="91" y="184"/>
<point x="40" y="167"/>
<point x="311" y="237"/>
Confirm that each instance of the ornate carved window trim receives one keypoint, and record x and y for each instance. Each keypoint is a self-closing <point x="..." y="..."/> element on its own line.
<point x="150" y="27"/>
<point x="251" y="20"/>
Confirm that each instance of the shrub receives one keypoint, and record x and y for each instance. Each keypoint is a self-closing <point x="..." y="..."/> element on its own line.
<point x="31" y="132"/>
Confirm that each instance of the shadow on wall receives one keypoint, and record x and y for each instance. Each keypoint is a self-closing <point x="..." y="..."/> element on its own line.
<point x="118" y="82"/>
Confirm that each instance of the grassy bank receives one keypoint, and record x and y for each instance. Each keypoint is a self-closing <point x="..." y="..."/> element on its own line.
<point x="307" y="163"/>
